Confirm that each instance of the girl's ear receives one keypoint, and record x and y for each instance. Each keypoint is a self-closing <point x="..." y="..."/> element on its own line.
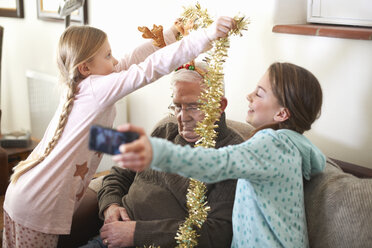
<point x="282" y="115"/>
<point x="84" y="69"/>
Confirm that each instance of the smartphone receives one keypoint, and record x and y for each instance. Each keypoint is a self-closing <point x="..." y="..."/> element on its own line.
<point x="108" y="140"/>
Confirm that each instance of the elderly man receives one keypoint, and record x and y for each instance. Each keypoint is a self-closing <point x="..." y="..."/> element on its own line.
<point x="147" y="208"/>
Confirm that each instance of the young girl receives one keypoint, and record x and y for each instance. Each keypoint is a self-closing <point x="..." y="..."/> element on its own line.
<point x="46" y="188"/>
<point x="269" y="203"/>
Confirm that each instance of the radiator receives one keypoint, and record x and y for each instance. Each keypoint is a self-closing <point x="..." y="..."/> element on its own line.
<point x="44" y="95"/>
<point x="43" y="99"/>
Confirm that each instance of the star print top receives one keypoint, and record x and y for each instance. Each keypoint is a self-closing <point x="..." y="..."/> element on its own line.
<point x="269" y="200"/>
<point x="44" y="198"/>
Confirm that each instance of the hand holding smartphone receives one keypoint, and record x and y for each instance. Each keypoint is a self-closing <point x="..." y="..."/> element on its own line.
<point x="108" y="140"/>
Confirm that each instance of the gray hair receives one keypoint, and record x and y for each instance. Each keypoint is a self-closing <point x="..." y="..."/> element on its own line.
<point x="190" y="76"/>
<point x="186" y="75"/>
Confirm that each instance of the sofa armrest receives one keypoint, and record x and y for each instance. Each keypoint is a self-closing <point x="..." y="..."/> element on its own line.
<point x="356" y="170"/>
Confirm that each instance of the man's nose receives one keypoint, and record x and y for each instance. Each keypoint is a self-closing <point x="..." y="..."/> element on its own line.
<point x="184" y="114"/>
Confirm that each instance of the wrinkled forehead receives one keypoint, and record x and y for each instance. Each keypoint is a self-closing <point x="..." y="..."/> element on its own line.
<point x="186" y="92"/>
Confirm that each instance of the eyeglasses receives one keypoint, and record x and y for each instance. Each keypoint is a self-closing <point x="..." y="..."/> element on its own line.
<point x="191" y="109"/>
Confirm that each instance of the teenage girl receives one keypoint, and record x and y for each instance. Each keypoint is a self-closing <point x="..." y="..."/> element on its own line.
<point x="48" y="186"/>
<point x="269" y="206"/>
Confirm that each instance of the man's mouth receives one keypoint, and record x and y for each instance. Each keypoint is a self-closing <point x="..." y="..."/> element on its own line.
<point x="188" y="126"/>
<point x="188" y="129"/>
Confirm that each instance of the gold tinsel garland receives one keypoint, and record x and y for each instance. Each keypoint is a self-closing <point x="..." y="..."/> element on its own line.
<point x="210" y="105"/>
<point x="211" y="97"/>
<point x="198" y="211"/>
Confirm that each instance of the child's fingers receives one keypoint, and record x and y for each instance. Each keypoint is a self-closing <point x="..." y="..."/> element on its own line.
<point x="226" y="24"/>
<point x="128" y="157"/>
<point x="221" y="27"/>
<point x="117" y="157"/>
<point x="123" y="127"/>
<point x="135" y="146"/>
<point x="132" y="161"/>
<point x="135" y="165"/>
<point x="136" y="155"/>
<point x="125" y="158"/>
<point x="224" y="20"/>
<point x="224" y="29"/>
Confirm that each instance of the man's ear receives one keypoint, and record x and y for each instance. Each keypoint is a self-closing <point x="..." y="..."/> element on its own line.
<point x="223" y="104"/>
<point x="84" y="69"/>
<point x="282" y="115"/>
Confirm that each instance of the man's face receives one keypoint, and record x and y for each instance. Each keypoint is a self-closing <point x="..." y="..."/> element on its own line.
<point x="185" y="99"/>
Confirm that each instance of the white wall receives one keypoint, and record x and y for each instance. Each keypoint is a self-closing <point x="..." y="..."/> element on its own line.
<point x="343" y="66"/>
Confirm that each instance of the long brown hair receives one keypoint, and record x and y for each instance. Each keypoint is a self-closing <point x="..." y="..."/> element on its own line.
<point x="298" y="90"/>
<point x="77" y="44"/>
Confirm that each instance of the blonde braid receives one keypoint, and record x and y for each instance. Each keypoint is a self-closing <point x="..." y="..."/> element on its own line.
<point x="62" y="119"/>
<point x="77" y="45"/>
<point x="31" y="162"/>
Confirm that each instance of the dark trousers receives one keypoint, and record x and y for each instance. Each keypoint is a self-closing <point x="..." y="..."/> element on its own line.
<point x="96" y="242"/>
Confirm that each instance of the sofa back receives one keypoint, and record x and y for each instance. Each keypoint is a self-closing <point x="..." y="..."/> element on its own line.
<point x="338" y="209"/>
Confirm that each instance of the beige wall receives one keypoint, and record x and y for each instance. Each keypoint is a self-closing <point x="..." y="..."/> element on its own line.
<point x="343" y="66"/>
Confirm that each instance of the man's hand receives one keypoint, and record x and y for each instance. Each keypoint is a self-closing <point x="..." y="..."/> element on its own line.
<point x="137" y="155"/>
<point x="118" y="234"/>
<point x="115" y="213"/>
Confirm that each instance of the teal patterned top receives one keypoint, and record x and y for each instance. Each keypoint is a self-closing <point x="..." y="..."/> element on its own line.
<point x="269" y="201"/>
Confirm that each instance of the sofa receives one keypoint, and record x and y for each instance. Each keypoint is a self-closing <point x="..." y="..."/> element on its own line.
<point x="338" y="205"/>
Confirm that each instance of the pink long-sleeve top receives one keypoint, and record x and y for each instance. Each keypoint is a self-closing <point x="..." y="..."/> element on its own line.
<point x="45" y="198"/>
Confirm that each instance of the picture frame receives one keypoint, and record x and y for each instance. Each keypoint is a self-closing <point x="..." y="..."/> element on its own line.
<point x="11" y="8"/>
<point x="48" y="10"/>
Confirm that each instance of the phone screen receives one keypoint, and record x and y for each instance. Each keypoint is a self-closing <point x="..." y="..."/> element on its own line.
<point x="108" y="140"/>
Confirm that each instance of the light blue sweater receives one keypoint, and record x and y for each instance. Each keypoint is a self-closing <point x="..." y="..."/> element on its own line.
<point x="269" y="201"/>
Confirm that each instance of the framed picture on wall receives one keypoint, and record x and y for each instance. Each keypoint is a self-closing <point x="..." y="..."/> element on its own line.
<point x="48" y="10"/>
<point x="11" y="8"/>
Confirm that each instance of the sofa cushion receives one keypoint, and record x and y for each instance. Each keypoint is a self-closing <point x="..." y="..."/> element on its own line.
<point x="338" y="209"/>
<point x="85" y="222"/>
<point x="96" y="183"/>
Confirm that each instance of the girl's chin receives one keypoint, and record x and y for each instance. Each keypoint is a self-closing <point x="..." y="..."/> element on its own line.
<point x="249" y="121"/>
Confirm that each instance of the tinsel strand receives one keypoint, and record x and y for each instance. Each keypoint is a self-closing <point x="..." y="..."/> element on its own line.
<point x="210" y="106"/>
<point x="210" y="98"/>
<point x="187" y="235"/>
<point x="199" y="17"/>
<point x="198" y="211"/>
